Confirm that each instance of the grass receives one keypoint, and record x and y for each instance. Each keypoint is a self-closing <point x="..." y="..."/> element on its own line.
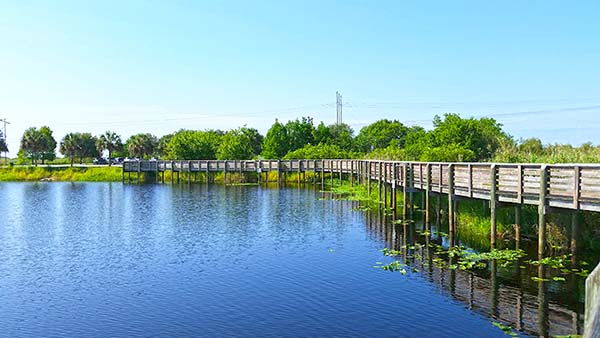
<point x="67" y="174"/>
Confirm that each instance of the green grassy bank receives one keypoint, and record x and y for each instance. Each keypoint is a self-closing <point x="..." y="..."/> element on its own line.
<point x="66" y="174"/>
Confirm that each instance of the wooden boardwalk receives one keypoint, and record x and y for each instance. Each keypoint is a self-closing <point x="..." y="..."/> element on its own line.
<point x="567" y="186"/>
<point x="552" y="188"/>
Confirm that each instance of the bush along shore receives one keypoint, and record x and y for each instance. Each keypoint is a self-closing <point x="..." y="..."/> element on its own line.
<point x="63" y="174"/>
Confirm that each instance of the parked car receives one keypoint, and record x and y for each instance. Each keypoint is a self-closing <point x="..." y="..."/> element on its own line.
<point x="117" y="160"/>
<point x="99" y="161"/>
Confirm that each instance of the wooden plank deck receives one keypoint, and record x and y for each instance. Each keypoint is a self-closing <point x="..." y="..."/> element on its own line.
<point x="566" y="186"/>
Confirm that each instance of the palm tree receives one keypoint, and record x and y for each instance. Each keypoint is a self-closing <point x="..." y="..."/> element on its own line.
<point x="71" y="145"/>
<point x="33" y="144"/>
<point x="140" y="145"/>
<point x="109" y="141"/>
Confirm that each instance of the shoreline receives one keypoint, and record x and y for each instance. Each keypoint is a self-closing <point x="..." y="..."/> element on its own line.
<point x="62" y="173"/>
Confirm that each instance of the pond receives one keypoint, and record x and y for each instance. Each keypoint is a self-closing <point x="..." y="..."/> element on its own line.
<point x="105" y="259"/>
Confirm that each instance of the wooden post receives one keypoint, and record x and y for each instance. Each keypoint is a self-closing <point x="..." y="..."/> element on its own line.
<point x="542" y="211"/>
<point x="450" y="197"/>
<point x="404" y="190"/>
<point x="379" y="178"/>
<point x="574" y="235"/>
<point x="421" y="188"/>
<point x="369" y="179"/>
<point x="172" y="171"/>
<point x="322" y="175"/>
<point x="438" y="207"/>
<point x="470" y="167"/>
<point x="278" y="173"/>
<point x="518" y="227"/>
<point x="394" y="186"/>
<point x="493" y="199"/>
<point x="331" y="174"/>
<point x="139" y="171"/>
<point x="123" y="174"/>
<point x="385" y="181"/>
<point x="339" y="162"/>
<point x="351" y="173"/>
<point x="411" y="185"/>
<point x="576" y="186"/>
<point x="520" y="184"/>
<point x="427" y="196"/>
<point x="207" y="175"/>
<point x="314" y="173"/>
<point x="189" y="178"/>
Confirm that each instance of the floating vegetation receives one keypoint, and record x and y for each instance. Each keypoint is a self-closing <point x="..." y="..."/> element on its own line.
<point x="556" y="262"/>
<point x="393" y="266"/>
<point x="506" y="329"/>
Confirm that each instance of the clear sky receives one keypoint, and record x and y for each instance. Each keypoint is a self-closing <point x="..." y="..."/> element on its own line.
<point x="158" y="66"/>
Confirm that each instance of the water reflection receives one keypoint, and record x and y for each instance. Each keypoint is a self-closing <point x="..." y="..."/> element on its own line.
<point x="497" y="292"/>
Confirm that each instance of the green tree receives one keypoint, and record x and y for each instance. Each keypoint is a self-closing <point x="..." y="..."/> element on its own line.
<point x="342" y="136"/>
<point x="235" y="145"/>
<point x="276" y="142"/>
<point x="48" y="152"/>
<point x="531" y="146"/>
<point x="256" y="139"/>
<point x="320" y="151"/>
<point x="31" y="145"/>
<point x="70" y="146"/>
<point x="322" y="134"/>
<point x="161" y="149"/>
<point x="481" y="136"/>
<point x="448" y="153"/>
<point x="194" y="145"/>
<point x="380" y="134"/>
<point x="38" y="145"/>
<point x="142" y="145"/>
<point x="110" y="142"/>
<point x="416" y="142"/>
<point x="87" y="147"/>
<point x="300" y="132"/>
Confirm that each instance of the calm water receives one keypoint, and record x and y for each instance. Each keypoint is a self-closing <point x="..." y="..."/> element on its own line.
<point x="99" y="259"/>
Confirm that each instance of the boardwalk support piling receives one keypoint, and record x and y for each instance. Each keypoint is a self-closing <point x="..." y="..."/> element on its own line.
<point x="542" y="211"/>
<point x="450" y="198"/>
<point x="493" y="203"/>
<point x="427" y="195"/>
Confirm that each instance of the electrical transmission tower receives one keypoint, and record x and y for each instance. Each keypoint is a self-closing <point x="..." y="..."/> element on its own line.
<point x="5" y="141"/>
<point x="338" y="102"/>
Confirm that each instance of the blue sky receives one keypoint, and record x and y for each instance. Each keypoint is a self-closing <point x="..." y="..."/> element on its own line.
<point x="158" y="66"/>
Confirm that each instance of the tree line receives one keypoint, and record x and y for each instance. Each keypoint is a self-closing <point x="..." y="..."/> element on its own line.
<point x="452" y="138"/>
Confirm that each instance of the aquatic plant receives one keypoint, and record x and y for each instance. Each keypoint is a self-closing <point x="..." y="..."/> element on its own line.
<point x="506" y="329"/>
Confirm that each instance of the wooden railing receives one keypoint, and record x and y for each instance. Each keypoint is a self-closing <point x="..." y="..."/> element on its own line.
<point x="569" y="186"/>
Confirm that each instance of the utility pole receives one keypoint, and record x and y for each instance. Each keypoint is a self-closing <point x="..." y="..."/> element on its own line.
<point x="338" y="107"/>
<point x="5" y="142"/>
